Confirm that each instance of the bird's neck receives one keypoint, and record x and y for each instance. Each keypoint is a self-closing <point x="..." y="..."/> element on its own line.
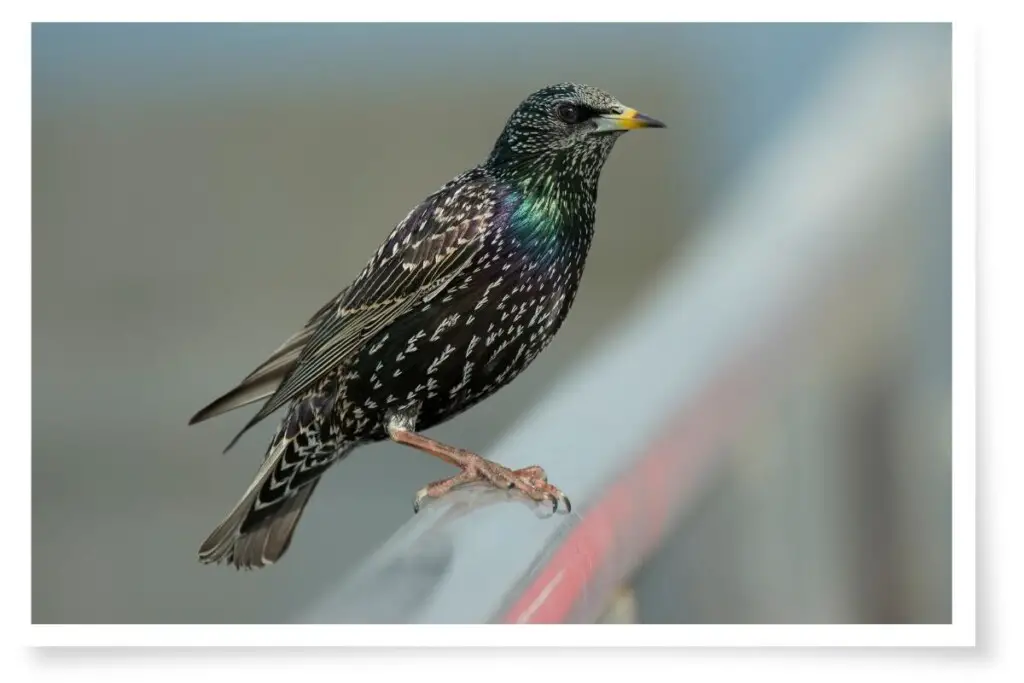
<point x="554" y="195"/>
<point x="551" y="220"/>
<point x="545" y="174"/>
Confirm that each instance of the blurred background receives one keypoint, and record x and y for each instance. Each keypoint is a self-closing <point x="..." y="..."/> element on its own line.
<point x="200" y="190"/>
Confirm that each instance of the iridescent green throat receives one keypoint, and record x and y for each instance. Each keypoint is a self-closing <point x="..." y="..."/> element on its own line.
<point x="539" y="213"/>
<point x="549" y="203"/>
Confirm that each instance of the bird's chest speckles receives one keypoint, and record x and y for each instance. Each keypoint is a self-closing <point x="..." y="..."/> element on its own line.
<point x="474" y="336"/>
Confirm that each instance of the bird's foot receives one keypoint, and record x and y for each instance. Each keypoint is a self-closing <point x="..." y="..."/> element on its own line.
<point x="532" y="481"/>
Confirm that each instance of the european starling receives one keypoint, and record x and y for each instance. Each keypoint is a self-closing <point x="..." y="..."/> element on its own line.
<point x="457" y="301"/>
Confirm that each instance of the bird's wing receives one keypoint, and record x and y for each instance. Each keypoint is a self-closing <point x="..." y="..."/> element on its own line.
<point x="428" y="249"/>
<point x="265" y="379"/>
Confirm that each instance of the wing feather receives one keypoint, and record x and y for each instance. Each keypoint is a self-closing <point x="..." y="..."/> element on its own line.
<point x="267" y="377"/>
<point x="422" y="255"/>
<point x="401" y="287"/>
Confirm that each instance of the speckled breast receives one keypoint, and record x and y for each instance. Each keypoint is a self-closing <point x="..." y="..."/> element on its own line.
<point x="469" y="340"/>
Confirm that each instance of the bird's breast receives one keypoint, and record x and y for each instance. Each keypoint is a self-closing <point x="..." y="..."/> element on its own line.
<point x="466" y="342"/>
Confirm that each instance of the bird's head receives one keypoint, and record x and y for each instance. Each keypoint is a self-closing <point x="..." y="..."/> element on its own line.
<point x="569" y="125"/>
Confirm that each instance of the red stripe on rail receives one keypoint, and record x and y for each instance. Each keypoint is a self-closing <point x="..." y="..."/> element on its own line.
<point x="630" y="519"/>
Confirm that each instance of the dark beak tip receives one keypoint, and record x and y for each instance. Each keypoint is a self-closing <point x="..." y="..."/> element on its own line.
<point x="650" y="121"/>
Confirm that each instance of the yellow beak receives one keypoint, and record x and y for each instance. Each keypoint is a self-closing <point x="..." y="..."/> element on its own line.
<point x="628" y="119"/>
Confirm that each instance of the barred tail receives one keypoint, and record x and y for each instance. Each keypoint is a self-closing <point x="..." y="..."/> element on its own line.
<point x="260" y="544"/>
<point x="259" y="529"/>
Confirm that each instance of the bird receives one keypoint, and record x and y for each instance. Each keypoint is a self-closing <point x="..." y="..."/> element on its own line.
<point x="457" y="301"/>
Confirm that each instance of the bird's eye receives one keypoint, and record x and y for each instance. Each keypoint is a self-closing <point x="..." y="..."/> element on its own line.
<point x="569" y="113"/>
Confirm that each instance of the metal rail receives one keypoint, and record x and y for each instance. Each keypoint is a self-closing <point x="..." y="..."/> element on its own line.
<point x="718" y="328"/>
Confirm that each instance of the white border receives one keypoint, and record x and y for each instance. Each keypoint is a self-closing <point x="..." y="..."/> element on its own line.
<point x="533" y="635"/>
<point x="964" y="466"/>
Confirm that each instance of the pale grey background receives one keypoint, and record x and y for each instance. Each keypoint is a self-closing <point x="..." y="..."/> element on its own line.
<point x="198" y="191"/>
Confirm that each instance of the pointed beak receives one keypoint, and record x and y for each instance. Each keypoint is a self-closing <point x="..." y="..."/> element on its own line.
<point x="627" y="119"/>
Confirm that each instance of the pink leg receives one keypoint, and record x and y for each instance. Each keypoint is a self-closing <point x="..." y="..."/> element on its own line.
<point x="532" y="480"/>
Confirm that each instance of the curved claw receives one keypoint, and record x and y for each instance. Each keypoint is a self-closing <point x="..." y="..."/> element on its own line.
<point x="560" y="497"/>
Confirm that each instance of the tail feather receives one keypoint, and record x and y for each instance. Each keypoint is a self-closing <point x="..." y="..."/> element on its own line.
<point x="264" y="542"/>
<point x="259" y="529"/>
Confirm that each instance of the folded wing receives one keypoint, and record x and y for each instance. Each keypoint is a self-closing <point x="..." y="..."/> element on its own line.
<point x="431" y="247"/>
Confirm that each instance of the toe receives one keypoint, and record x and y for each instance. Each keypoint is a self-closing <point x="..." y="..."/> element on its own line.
<point x="533" y="472"/>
